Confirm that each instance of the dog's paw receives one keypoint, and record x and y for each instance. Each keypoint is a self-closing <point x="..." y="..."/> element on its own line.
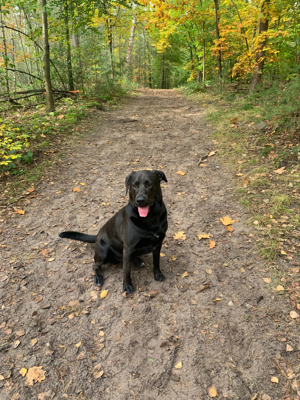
<point x="159" y="276"/>
<point x="99" y="280"/>
<point x="138" y="262"/>
<point x="129" y="289"/>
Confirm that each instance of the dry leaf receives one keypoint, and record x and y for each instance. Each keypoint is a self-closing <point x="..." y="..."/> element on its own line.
<point x="101" y="333"/>
<point x="203" y="236"/>
<point x="280" y="171"/>
<point x="81" y="356"/>
<point x="35" y="374"/>
<point x="78" y="344"/>
<point x="239" y="174"/>
<point x="282" y="252"/>
<point x="229" y="228"/>
<point x="94" y="295"/>
<point x="76" y="189"/>
<point x="181" y="173"/>
<point x="267" y="280"/>
<point x="194" y="301"/>
<point x="61" y="116"/>
<point x="227" y="221"/>
<point x="71" y="316"/>
<point x="208" y="271"/>
<point x="212" y="391"/>
<point x="212" y="244"/>
<point x="33" y="342"/>
<point x="274" y="379"/>
<point x="279" y="288"/>
<point x="44" y="252"/>
<point x="294" y="315"/>
<point x="98" y="374"/>
<point x="179" y="235"/>
<point x="203" y="165"/>
<point x="179" y="365"/>
<point x="22" y="212"/>
<point x="20" y="333"/>
<point x="23" y="371"/>
<point x="289" y="348"/>
<point x="245" y="182"/>
<point x="212" y="153"/>
<point x="81" y="183"/>
<point x="162" y="255"/>
<point x="173" y="258"/>
<point x="16" y="344"/>
<point x="103" y="294"/>
<point x="184" y="275"/>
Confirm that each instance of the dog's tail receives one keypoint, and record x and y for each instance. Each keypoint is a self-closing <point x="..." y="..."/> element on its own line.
<point x="82" y="237"/>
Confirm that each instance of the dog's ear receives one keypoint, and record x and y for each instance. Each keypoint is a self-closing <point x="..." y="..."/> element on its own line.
<point x="127" y="181"/>
<point x="161" y="176"/>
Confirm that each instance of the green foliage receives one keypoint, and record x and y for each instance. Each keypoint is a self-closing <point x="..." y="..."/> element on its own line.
<point x="12" y="145"/>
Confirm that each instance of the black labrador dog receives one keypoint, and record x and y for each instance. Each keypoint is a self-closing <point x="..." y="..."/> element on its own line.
<point x="137" y="229"/>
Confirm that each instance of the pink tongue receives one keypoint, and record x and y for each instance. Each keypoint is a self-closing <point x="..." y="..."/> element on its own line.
<point x="143" y="211"/>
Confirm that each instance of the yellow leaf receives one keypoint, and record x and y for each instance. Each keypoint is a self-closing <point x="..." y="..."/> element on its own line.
<point x="267" y="280"/>
<point x="35" y="374"/>
<point x="162" y="255"/>
<point x="279" y="288"/>
<point x="179" y="235"/>
<point x="283" y="252"/>
<point x="212" y="391"/>
<point x="33" y="342"/>
<point x="71" y="316"/>
<point x="239" y="174"/>
<point x="203" y="236"/>
<point x="279" y="171"/>
<point x="212" y="153"/>
<point x="274" y="379"/>
<point x="76" y="189"/>
<point x="212" y="244"/>
<point x="22" y="212"/>
<point x="181" y="173"/>
<point x="173" y="258"/>
<point x="203" y="165"/>
<point x="23" y="371"/>
<point x="81" y="183"/>
<point x="179" y="365"/>
<point x="103" y="294"/>
<point x="78" y="344"/>
<point x="101" y="333"/>
<point x="208" y="271"/>
<point x="184" y="275"/>
<point x="229" y="228"/>
<point x="217" y="299"/>
<point x="227" y="221"/>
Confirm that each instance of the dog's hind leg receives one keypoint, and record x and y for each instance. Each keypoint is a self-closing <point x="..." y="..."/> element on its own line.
<point x="138" y="262"/>
<point x="158" y="275"/>
<point x="99" y="259"/>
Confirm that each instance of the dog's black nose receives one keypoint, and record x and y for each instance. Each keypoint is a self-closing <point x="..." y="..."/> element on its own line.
<point x="140" y="199"/>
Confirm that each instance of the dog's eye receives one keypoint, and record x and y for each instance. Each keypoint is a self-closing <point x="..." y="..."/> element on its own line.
<point x="147" y="184"/>
<point x="135" y="184"/>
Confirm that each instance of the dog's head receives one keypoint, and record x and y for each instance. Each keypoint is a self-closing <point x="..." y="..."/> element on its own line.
<point x="144" y="189"/>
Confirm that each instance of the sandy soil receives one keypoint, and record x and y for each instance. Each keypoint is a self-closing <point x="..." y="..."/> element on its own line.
<point x="214" y="327"/>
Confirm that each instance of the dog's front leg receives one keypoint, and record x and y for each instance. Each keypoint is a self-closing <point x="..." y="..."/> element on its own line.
<point x="158" y="275"/>
<point x="127" y="282"/>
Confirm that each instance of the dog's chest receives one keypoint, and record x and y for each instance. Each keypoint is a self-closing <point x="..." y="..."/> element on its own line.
<point x="148" y="243"/>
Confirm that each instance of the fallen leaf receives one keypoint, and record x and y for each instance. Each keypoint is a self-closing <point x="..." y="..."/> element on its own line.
<point x="81" y="183"/>
<point x="181" y="173"/>
<point x="179" y="365"/>
<point x="78" y="344"/>
<point x="280" y="171"/>
<point x="245" y="182"/>
<point x="173" y="258"/>
<point x="239" y="174"/>
<point x="76" y="189"/>
<point x="282" y="252"/>
<point x="212" y="244"/>
<point x="254" y="397"/>
<point x="23" y="371"/>
<point x="203" y="236"/>
<point x="101" y="333"/>
<point x="289" y="348"/>
<point x="217" y="299"/>
<point x="274" y="379"/>
<point x="16" y="344"/>
<point x="179" y="235"/>
<point x="203" y="165"/>
<point x="71" y="316"/>
<point x="98" y="374"/>
<point x="50" y="259"/>
<point x="194" y="301"/>
<point x="61" y="116"/>
<point x="116" y="338"/>
<point x="267" y="280"/>
<point x="227" y="221"/>
<point x="279" y="288"/>
<point x="229" y="228"/>
<point x="22" y="212"/>
<point x="212" y="391"/>
<point x="35" y="374"/>
<point x="162" y="255"/>
<point x="81" y="356"/>
<point x="294" y="315"/>
<point x="94" y="295"/>
<point x="33" y="342"/>
<point x="212" y="153"/>
<point x="103" y="294"/>
<point x="44" y="252"/>
<point x="20" y="333"/>
<point x="184" y="275"/>
<point x="15" y="396"/>
<point x="208" y="271"/>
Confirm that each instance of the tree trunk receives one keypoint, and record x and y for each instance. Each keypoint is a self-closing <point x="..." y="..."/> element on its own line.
<point x="163" y="71"/>
<point x="49" y="92"/>
<point x="69" y="57"/>
<point x="110" y="43"/>
<point x="262" y="40"/>
<point x="130" y="43"/>
<point x="217" y="20"/>
<point x="5" y="57"/>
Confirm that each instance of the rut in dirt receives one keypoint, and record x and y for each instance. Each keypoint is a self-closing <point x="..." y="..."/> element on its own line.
<point x="213" y="327"/>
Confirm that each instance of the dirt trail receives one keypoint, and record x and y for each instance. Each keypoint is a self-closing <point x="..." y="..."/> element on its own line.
<point x="236" y="343"/>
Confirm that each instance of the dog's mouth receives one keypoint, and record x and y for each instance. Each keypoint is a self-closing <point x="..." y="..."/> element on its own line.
<point x="143" y="211"/>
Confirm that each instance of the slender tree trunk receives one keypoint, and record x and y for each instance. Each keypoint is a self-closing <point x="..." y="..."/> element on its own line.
<point x="76" y="44"/>
<point x="69" y="57"/>
<point x="13" y="60"/>
<point x="130" y="43"/>
<point x="217" y="20"/>
<point x="110" y="43"/>
<point x="4" y="50"/>
<point x="49" y="92"/>
<point x="262" y="40"/>
<point x="163" y="71"/>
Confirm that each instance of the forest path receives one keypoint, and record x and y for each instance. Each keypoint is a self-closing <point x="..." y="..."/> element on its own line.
<point x="230" y="337"/>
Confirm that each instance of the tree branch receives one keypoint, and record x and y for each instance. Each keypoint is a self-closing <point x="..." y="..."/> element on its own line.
<point x="26" y="73"/>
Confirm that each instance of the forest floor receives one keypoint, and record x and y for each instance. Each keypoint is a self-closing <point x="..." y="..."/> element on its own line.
<point x="214" y="328"/>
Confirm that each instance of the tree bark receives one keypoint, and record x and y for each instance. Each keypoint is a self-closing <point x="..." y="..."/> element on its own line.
<point x="111" y="50"/>
<point x="219" y="56"/>
<point x="49" y="91"/>
<point x="262" y="40"/>
<point x="130" y="43"/>
<point x="5" y="51"/>
<point x="69" y="57"/>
